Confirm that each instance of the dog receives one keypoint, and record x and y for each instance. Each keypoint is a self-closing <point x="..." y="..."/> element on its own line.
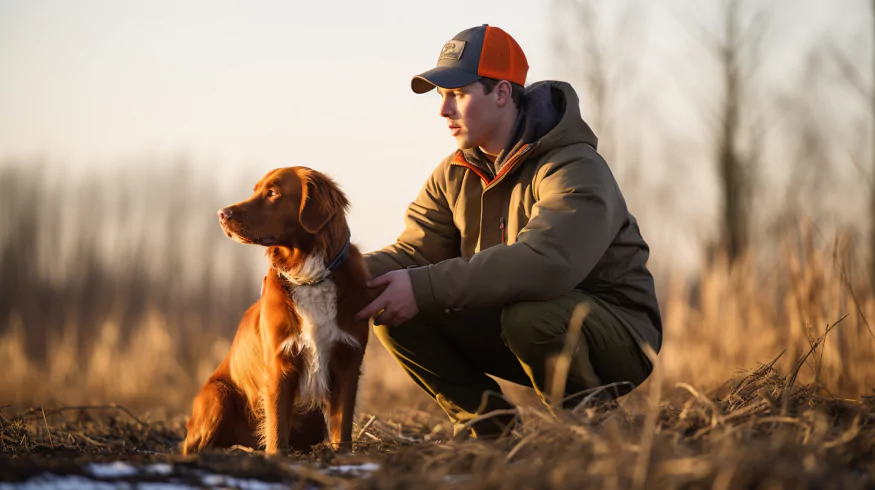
<point x="296" y="358"/>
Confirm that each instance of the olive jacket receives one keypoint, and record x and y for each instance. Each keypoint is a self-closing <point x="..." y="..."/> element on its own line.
<point x="547" y="217"/>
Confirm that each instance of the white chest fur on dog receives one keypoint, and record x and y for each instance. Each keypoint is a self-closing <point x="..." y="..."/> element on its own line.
<point x="315" y="297"/>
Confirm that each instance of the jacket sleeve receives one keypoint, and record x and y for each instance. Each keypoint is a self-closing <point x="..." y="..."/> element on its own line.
<point x="578" y="212"/>
<point x="430" y="235"/>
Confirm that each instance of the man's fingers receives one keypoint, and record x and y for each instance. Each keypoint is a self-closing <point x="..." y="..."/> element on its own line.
<point x="372" y="309"/>
<point x="383" y="319"/>
<point x="380" y="280"/>
<point x="388" y="317"/>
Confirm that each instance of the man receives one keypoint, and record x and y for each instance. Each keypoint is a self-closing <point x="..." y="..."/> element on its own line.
<point x="513" y="233"/>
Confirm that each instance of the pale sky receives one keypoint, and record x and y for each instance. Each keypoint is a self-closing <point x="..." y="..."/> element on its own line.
<point x="243" y="87"/>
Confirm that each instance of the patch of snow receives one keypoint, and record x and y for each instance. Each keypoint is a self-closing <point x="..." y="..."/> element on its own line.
<point x="456" y="478"/>
<point x="355" y="468"/>
<point x="162" y="469"/>
<point x="105" y="473"/>
<point x="49" y="481"/>
<point x="111" y="470"/>
<point x="223" y="481"/>
<point x="162" y="486"/>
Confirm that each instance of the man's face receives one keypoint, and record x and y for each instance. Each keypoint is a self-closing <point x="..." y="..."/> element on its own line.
<point x="471" y="115"/>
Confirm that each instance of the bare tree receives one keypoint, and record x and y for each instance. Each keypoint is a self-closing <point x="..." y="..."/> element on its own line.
<point x="601" y="50"/>
<point x="809" y="146"/>
<point x="739" y="131"/>
<point x="855" y="80"/>
<point x="732" y="173"/>
<point x="737" y="54"/>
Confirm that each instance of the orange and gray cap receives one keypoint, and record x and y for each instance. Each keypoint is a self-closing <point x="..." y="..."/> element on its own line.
<point x="482" y="51"/>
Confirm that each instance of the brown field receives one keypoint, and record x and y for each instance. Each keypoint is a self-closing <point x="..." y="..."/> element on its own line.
<point x="766" y="378"/>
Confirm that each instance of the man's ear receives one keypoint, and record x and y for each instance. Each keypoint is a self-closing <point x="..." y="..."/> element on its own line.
<point x="320" y="201"/>
<point x="504" y="92"/>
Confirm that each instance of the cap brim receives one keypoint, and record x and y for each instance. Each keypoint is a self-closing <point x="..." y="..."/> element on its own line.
<point x="444" y="77"/>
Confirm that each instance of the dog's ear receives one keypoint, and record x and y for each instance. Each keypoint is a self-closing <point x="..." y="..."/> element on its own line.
<point x="321" y="199"/>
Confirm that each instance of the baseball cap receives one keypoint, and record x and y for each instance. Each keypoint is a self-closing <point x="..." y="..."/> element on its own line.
<point x="482" y="51"/>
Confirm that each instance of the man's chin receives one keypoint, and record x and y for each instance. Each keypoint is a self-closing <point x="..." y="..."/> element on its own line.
<point x="464" y="144"/>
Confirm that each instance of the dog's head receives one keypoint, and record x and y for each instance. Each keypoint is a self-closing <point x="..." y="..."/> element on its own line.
<point x="288" y="208"/>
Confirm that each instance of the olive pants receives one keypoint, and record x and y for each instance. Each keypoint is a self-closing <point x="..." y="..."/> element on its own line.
<point x="450" y="354"/>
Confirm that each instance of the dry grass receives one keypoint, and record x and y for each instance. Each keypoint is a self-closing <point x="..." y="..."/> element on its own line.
<point x="765" y="432"/>
<point x="746" y="313"/>
<point x="766" y="379"/>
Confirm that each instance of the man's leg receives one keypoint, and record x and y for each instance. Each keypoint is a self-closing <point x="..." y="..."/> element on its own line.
<point x="449" y="354"/>
<point x="606" y="352"/>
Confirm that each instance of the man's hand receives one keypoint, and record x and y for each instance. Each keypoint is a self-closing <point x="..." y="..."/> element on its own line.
<point x="397" y="299"/>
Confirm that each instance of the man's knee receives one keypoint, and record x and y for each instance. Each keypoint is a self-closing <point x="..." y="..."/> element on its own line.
<point x="524" y="327"/>
<point x="401" y="335"/>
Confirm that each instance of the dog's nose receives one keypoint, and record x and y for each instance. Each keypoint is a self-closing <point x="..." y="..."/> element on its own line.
<point x="225" y="214"/>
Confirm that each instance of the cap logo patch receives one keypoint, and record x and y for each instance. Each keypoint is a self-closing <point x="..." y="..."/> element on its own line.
<point x="452" y="50"/>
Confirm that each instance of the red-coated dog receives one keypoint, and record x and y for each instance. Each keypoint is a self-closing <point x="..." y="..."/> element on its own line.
<point x="298" y="351"/>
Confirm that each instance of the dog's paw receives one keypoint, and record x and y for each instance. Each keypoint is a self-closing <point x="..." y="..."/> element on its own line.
<point x="191" y="445"/>
<point x="277" y="451"/>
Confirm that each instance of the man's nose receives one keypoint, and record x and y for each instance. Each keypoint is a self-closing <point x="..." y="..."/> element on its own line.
<point x="446" y="109"/>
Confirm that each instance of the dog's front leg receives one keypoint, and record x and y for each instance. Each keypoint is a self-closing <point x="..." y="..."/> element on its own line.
<point x="280" y="388"/>
<point x="342" y="403"/>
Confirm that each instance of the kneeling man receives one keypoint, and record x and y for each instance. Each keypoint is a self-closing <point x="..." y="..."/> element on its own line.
<point x="515" y="230"/>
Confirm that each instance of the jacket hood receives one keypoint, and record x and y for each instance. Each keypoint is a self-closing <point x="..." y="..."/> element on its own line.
<point x="545" y="103"/>
<point x="550" y="118"/>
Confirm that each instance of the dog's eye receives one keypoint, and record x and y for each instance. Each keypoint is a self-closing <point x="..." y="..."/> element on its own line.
<point x="272" y="193"/>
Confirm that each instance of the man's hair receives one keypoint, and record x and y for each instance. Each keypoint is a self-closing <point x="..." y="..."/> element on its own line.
<point x="517" y="94"/>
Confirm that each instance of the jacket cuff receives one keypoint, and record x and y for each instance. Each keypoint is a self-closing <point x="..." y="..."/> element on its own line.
<point x="422" y="290"/>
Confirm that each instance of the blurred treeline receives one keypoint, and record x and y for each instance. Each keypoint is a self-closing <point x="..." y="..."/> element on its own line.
<point x="78" y="252"/>
<point x="726" y="122"/>
<point x="120" y="284"/>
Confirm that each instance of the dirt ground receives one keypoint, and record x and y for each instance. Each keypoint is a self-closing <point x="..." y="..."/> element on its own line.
<point x="762" y="431"/>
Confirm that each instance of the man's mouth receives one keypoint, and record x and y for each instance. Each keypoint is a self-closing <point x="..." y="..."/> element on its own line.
<point x="455" y="130"/>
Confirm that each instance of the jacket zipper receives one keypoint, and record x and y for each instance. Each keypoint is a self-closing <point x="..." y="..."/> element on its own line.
<point x="509" y="165"/>
<point x="503" y="228"/>
<point x="461" y="162"/>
